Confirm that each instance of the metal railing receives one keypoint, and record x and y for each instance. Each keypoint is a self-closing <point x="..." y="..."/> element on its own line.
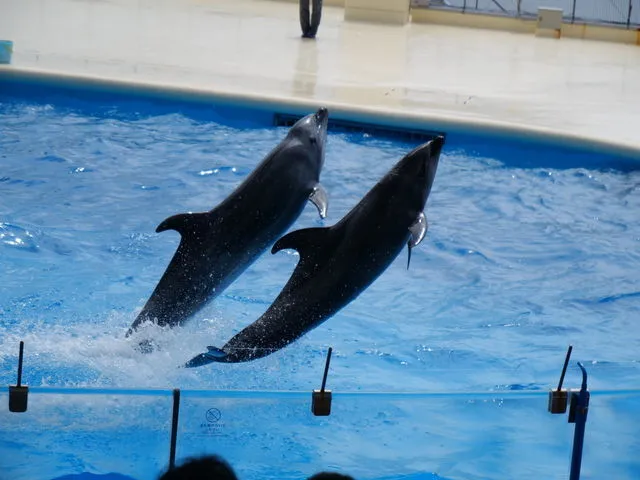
<point x="624" y="13"/>
<point x="127" y="430"/>
<point x="110" y="429"/>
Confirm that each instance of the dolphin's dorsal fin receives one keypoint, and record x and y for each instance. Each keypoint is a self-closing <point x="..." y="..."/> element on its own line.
<point x="305" y="241"/>
<point x="418" y="230"/>
<point x="186" y="224"/>
<point x="320" y="199"/>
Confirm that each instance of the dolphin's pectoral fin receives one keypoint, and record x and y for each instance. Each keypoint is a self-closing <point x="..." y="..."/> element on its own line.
<point x="304" y="241"/>
<point x="185" y="223"/>
<point x="418" y="230"/>
<point x="320" y="199"/>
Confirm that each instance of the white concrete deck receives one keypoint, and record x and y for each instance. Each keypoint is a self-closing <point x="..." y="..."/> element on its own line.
<point x="584" y="88"/>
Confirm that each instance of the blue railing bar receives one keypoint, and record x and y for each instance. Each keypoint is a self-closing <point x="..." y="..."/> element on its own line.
<point x="501" y="394"/>
<point x="388" y="395"/>
<point x="151" y="392"/>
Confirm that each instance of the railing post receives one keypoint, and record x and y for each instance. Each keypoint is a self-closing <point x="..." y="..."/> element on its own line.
<point x="573" y="12"/>
<point x="579" y="401"/>
<point x="464" y="6"/>
<point x="174" y="428"/>
<point x="519" y="7"/>
<point x="578" y="415"/>
<point x="629" y="15"/>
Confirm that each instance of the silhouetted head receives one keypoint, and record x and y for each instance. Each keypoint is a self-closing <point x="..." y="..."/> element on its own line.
<point x="421" y="164"/>
<point x="209" y="467"/>
<point x="311" y="133"/>
<point x="330" y="476"/>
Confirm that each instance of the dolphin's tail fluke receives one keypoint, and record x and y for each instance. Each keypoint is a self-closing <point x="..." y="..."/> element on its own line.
<point x="213" y="355"/>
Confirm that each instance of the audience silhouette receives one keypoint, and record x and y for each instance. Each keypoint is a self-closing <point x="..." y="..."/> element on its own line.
<point x="213" y="467"/>
<point x="210" y="467"/>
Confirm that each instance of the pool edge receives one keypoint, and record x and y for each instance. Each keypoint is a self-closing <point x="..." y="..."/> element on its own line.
<point x="343" y="111"/>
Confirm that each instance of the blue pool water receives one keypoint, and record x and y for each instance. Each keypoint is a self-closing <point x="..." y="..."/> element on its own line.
<point x="531" y="247"/>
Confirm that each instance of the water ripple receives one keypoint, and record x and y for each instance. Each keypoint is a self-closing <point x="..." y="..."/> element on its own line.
<point x="52" y="159"/>
<point x="17" y="237"/>
<point x="525" y="253"/>
<point x="608" y="298"/>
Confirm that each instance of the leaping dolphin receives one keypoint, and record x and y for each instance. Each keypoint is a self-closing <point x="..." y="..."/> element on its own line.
<point x="338" y="263"/>
<point x="218" y="245"/>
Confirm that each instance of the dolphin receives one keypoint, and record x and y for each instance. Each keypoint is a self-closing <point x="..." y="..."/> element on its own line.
<point x="338" y="263"/>
<point x="218" y="245"/>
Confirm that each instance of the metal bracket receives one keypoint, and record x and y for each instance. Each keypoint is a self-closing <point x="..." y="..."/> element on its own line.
<point x="558" y="398"/>
<point x="19" y="394"/>
<point x="321" y="399"/>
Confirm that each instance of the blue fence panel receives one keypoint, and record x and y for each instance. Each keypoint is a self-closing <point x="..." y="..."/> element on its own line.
<point x="274" y="435"/>
<point x="85" y="431"/>
<point x="615" y="12"/>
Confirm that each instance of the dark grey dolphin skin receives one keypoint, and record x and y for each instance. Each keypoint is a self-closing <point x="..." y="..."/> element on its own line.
<point x="218" y="245"/>
<point x="338" y="263"/>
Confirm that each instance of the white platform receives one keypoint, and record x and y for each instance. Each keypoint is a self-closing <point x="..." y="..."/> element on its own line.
<point x="582" y="87"/>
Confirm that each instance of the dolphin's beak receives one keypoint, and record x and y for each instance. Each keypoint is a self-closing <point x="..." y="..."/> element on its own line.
<point x="322" y="116"/>
<point x="431" y="162"/>
<point x="322" y="120"/>
<point x="436" y="146"/>
<point x="423" y="160"/>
